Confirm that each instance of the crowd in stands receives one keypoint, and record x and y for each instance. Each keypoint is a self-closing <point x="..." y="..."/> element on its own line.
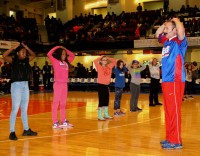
<point x="88" y="28"/>
<point x="126" y="26"/>
<point x="24" y="29"/>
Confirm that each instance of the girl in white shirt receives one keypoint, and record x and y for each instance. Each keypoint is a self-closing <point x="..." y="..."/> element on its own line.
<point x="154" y="68"/>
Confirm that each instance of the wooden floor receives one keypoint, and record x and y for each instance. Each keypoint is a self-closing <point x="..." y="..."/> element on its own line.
<point x="135" y="134"/>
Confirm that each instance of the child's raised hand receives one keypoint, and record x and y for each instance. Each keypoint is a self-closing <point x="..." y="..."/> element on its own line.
<point x="17" y="45"/>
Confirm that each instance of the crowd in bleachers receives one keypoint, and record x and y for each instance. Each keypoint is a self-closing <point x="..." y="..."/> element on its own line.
<point x="88" y="28"/>
<point x="24" y="29"/>
<point x="126" y="26"/>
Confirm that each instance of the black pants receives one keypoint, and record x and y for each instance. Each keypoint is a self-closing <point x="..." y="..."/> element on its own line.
<point x="188" y="88"/>
<point x="154" y="89"/>
<point x="103" y="94"/>
<point x="36" y="83"/>
<point x="46" y="81"/>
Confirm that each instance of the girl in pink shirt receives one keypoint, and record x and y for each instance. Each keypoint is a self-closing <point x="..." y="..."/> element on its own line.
<point x="60" y="58"/>
<point x="104" y="67"/>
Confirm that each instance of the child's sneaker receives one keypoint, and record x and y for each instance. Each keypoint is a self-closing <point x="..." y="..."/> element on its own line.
<point x="121" y="113"/>
<point x="171" y="146"/>
<point x="56" y="125"/>
<point x="29" y="132"/>
<point x="116" y="114"/>
<point x="66" y="124"/>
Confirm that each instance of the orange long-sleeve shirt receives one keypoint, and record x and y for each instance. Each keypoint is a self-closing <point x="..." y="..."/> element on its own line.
<point x="104" y="72"/>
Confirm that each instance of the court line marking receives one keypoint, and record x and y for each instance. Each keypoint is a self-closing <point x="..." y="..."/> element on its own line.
<point x="82" y="132"/>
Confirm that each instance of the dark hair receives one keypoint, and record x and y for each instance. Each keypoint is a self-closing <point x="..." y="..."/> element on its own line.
<point x="58" y="53"/>
<point x="173" y="24"/>
<point x="135" y="61"/>
<point x="118" y="65"/>
<point x="17" y="50"/>
<point x="194" y="63"/>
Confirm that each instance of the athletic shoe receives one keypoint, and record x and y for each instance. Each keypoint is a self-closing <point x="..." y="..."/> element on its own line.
<point x="121" y="113"/>
<point x="164" y="142"/>
<point x="66" y="124"/>
<point x="13" y="136"/>
<point x="139" y="109"/>
<point x="133" y="110"/>
<point x="191" y="97"/>
<point x="56" y="125"/>
<point x="158" y="103"/>
<point x="171" y="146"/>
<point x="116" y="114"/>
<point x="29" y="132"/>
<point x="152" y="105"/>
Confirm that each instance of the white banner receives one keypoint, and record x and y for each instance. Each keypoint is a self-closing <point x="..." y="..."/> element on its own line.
<point x="193" y="41"/>
<point x="145" y="43"/>
<point x="7" y="44"/>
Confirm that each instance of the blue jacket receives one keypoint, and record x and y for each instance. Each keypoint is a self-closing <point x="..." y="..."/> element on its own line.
<point x="119" y="77"/>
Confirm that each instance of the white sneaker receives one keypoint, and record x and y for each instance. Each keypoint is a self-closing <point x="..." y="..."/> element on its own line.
<point x="66" y="124"/>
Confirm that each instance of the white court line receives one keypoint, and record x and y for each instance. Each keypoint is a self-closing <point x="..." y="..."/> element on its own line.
<point x="89" y="131"/>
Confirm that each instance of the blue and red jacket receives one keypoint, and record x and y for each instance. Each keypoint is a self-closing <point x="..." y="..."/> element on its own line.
<point x="173" y="55"/>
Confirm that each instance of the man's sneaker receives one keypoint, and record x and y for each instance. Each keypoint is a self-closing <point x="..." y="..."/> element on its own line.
<point x="66" y="124"/>
<point x="164" y="142"/>
<point x="171" y="146"/>
<point x="29" y="132"/>
<point x="12" y="136"/>
<point x="56" y="125"/>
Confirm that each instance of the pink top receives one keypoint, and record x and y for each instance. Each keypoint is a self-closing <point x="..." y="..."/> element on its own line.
<point x="104" y="72"/>
<point x="61" y="69"/>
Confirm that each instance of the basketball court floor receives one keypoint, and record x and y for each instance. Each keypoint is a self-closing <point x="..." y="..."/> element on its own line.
<point x="135" y="134"/>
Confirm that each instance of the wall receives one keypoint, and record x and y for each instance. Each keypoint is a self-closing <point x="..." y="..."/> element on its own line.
<point x="153" y="5"/>
<point x="115" y="7"/>
<point x="78" y="7"/>
<point x="66" y="14"/>
<point x="176" y="5"/>
<point x="192" y="3"/>
<point x="131" y="5"/>
<point x="102" y="11"/>
<point x="195" y="56"/>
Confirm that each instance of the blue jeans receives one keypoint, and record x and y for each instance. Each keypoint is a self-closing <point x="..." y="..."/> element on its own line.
<point x="118" y="96"/>
<point x="20" y="98"/>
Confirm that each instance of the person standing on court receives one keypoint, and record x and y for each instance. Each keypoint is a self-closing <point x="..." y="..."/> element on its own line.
<point x="46" y="75"/>
<point x="154" y="68"/>
<point x="119" y="72"/>
<point x="36" y="76"/>
<point x="60" y="58"/>
<point x="135" y="68"/>
<point x="172" y="35"/>
<point x="21" y="74"/>
<point x="104" y="67"/>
